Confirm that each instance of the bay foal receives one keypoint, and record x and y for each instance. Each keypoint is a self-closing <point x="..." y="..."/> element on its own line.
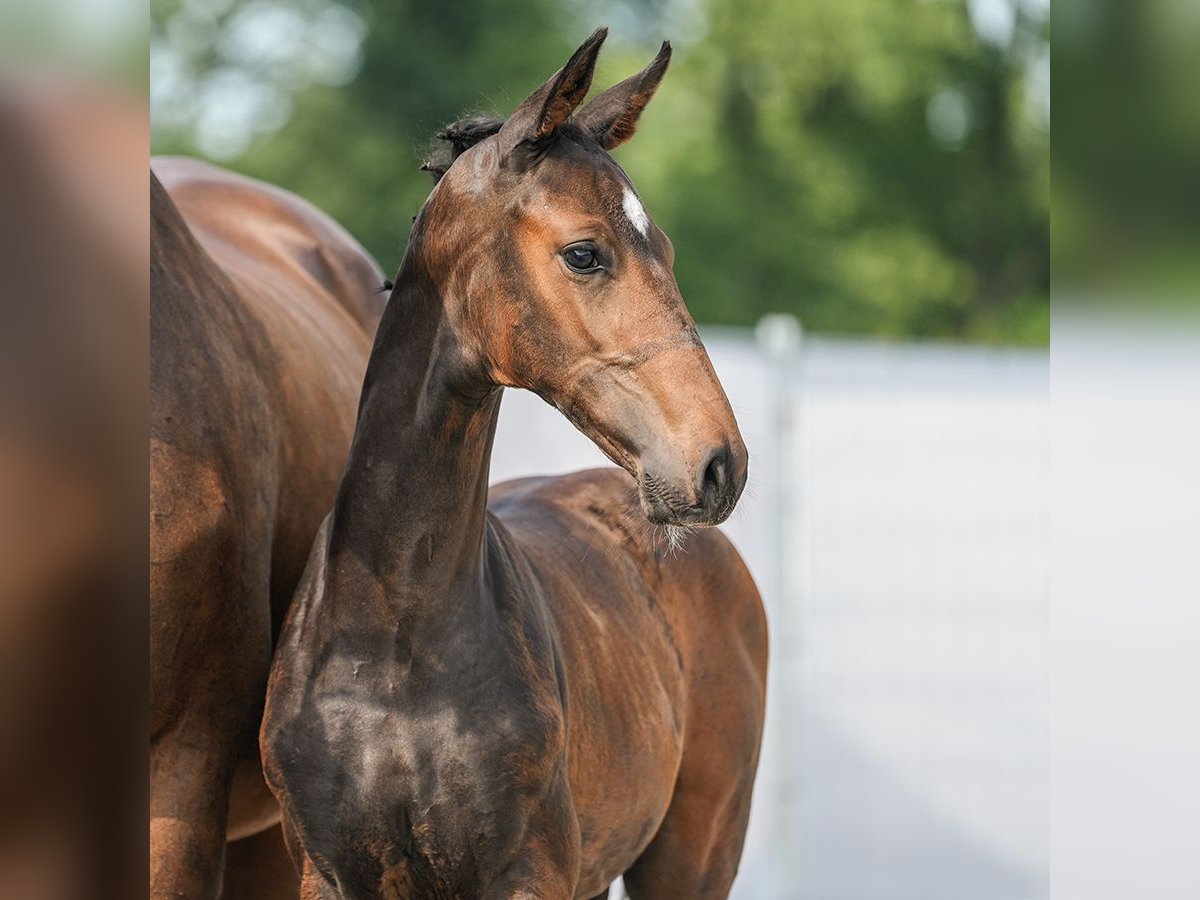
<point x="531" y="698"/>
<point x="262" y="312"/>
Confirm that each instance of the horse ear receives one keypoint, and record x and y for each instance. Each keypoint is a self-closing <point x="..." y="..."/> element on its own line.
<point x="611" y="118"/>
<point x="552" y="104"/>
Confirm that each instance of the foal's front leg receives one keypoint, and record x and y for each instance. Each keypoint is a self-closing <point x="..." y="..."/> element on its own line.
<point x="548" y="865"/>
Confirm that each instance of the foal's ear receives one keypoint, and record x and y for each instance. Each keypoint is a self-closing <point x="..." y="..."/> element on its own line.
<point x="612" y="117"/>
<point x="552" y="104"/>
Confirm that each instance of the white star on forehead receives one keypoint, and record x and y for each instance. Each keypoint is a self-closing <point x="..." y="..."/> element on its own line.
<point x="635" y="212"/>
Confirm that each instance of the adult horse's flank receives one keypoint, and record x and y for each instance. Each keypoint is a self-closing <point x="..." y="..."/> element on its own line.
<point x="532" y="698"/>
<point x="262" y="311"/>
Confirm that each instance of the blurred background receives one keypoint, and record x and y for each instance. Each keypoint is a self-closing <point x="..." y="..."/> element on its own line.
<point x="858" y="193"/>
<point x="896" y="521"/>
<point x="873" y="167"/>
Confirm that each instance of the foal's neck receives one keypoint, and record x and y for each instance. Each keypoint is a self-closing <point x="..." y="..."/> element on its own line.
<point x="408" y="524"/>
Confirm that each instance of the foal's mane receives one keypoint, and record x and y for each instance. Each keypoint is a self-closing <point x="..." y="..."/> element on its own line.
<point x="460" y="136"/>
<point x="457" y="138"/>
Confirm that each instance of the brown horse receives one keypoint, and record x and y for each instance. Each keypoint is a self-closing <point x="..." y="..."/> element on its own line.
<point x="531" y="698"/>
<point x="262" y="313"/>
<point x="74" y="293"/>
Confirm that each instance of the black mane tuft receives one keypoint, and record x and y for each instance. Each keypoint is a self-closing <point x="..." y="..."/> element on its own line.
<point x="459" y="137"/>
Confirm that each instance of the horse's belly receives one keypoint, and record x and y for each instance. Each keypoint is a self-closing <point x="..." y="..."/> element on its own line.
<point x="252" y="806"/>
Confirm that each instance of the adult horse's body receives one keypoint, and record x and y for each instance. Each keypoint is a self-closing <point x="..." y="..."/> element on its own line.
<point x="74" y="292"/>
<point x="530" y="698"/>
<point x="262" y="312"/>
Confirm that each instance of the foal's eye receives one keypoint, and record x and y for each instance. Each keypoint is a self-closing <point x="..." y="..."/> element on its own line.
<point x="582" y="258"/>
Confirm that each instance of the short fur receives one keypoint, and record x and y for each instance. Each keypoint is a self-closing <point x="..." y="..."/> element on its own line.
<point x="520" y="692"/>
<point x="262" y="311"/>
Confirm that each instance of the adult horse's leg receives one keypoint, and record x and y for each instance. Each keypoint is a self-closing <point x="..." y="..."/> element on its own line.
<point x="696" y="850"/>
<point x="209" y="653"/>
<point x="187" y="820"/>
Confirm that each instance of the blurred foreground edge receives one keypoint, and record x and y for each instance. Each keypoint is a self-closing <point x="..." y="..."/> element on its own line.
<point x="73" y="394"/>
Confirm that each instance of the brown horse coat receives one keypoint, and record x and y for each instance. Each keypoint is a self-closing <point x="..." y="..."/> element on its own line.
<point x="74" y="291"/>
<point x="262" y="312"/>
<point x="530" y="696"/>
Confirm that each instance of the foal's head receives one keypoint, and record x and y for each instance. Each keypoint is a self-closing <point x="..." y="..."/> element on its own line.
<point x="562" y="284"/>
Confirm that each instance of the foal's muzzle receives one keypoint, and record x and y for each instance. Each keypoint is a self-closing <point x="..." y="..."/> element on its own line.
<point x="705" y="495"/>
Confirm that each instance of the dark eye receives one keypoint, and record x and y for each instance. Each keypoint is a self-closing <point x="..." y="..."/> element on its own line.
<point x="582" y="258"/>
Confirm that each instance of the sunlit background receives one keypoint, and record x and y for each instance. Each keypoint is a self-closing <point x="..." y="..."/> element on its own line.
<point x="870" y="166"/>
<point x="896" y="521"/>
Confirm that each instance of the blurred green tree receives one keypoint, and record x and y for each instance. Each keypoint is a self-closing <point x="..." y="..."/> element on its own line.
<point x="872" y="167"/>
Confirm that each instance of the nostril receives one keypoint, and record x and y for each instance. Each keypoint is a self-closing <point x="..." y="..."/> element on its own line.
<point x="715" y="477"/>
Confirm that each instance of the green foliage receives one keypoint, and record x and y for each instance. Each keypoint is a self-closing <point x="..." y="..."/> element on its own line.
<point x="871" y="166"/>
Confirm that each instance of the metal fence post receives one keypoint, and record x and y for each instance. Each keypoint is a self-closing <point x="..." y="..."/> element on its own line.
<point x="781" y="337"/>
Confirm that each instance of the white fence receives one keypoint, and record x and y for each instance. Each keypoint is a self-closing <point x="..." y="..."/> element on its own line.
<point x="896" y="522"/>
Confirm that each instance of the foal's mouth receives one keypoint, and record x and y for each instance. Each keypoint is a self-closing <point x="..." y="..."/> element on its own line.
<point x="666" y="503"/>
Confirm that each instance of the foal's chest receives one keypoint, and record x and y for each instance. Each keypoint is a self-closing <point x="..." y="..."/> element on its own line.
<point x="451" y="770"/>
